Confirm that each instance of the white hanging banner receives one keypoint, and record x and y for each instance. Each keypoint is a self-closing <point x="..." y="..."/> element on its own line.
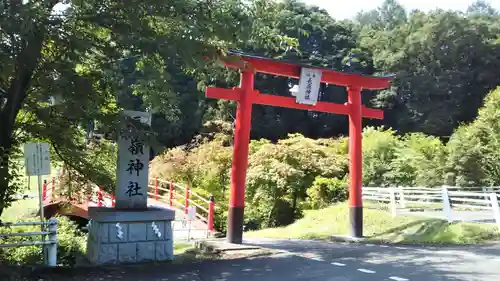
<point x="309" y="82"/>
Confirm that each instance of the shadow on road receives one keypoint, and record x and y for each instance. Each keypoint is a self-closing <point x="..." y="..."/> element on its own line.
<point x="311" y="261"/>
<point x="413" y="263"/>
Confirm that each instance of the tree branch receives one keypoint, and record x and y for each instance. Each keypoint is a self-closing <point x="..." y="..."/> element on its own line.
<point x="56" y="149"/>
<point x="25" y="64"/>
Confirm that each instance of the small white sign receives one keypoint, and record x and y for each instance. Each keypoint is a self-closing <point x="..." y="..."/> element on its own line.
<point x="37" y="159"/>
<point x="309" y="82"/>
<point x="191" y="213"/>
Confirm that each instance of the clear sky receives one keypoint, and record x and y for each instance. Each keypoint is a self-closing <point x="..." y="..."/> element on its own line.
<point x="342" y="9"/>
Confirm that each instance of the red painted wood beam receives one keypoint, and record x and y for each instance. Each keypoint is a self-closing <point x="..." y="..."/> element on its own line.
<point x="224" y="94"/>
<point x="289" y="102"/>
<point x="328" y="76"/>
<point x="372" y="113"/>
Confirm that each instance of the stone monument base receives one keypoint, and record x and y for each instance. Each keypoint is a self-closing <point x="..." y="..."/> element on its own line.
<point x="130" y="236"/>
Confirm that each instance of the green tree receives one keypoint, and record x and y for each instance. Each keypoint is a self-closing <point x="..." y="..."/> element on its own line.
<point x="388" y="16"/>
<point x="71" y="50"/>
<point x="474" y="148"/>
<point x="324" y="192"/>
<point x="322" y="42"/>
<point x="280" y="174"/>
<point x="482" y="8"/>
<point x="419" y="161"/>
<point x="379" y="150"/>
<point x="442" y="63"/>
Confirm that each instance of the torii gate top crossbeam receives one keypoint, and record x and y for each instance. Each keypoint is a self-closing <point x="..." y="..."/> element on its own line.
<point x="278" y="67"/>
<point x="289" y="102"/>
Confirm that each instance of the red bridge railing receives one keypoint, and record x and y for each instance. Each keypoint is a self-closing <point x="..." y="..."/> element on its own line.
<point x="170" y="193"/>
<point x="181" y="198"/>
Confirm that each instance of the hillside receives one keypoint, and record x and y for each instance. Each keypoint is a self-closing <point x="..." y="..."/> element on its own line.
<point x="381" y="226"/>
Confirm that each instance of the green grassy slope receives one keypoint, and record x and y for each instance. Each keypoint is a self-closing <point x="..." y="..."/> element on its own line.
<point x="381" y="226"/>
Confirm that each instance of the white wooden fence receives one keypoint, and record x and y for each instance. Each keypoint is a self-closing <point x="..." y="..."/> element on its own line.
<point x="49" y="245"/>
<point x="445" y="198"/>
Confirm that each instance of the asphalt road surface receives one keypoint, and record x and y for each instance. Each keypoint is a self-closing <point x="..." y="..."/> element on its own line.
<point x="320" y="261"/>
<point x="314" y="260"/>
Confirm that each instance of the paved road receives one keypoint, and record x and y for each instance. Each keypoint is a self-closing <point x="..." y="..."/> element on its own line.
<point x="321" y="261"/>
<point x="314" y="260"/>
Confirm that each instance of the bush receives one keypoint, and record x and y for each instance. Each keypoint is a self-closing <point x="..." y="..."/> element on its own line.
<point x="419" y="161"/>
<point x="279" y="175"/>
<point x="474" y="149"/>
<point x="71" y="244"/>
<point x="379" y="150"/>
<point x="324" y="192"/>
<point x="411" y="160"/>
<point x="20" y="255"/>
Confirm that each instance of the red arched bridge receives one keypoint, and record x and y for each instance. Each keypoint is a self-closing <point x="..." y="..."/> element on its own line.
<point x="161" y="193"/>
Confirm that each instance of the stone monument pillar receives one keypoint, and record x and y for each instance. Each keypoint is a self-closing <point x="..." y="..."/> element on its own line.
<point x="131" y="232"/>
<point x="132" y="168"/>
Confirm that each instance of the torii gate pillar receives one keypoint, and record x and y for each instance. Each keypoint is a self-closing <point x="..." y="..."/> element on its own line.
<point x="355" y="162"/>
<point x="240" y="159"/>
<point x="246" y="96"/>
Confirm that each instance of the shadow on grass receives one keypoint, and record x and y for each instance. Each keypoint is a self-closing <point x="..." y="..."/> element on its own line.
<point x="421" y="230"/>
<point x="424" y="224"/>
<point x="437" y="231"/>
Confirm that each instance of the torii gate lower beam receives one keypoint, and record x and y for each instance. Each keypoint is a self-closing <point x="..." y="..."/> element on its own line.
<point x="246" y="96"/>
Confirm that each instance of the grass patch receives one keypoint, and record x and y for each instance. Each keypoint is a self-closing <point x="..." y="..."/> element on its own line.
<point x="381" y="226"/>
<point x="19" y="210"/>
<point x="180" y="248"/>
<point x="26" y="208"/>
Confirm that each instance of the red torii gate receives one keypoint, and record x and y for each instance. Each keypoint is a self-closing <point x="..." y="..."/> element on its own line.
<point x="246" y="96"/>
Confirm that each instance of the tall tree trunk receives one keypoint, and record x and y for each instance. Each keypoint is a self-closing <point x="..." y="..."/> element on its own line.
<point x="270" y="215"/>
<point x="5" y="146"/>
<point x="294" y="205"/>
<point x="26" y="62"/>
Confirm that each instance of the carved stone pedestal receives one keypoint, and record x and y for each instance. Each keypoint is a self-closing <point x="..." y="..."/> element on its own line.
<point x="130" y="236"/>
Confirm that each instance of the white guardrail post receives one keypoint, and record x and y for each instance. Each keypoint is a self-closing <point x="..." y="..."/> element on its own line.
<point x="486" y="194"/>
<point x="393" y="201"/>
<point x="52" y="247"/>
<point x="402" y="201"/>
<point x="495" y="208"/>
<point x="446" y="204"/>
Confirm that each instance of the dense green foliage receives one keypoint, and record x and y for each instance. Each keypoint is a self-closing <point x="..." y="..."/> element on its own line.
<point x="95" y="58"/>
<point x="443" y="65"/>
<point x="67" y="68"/>
<point x="474" y="156"/>
<point x="298" y="173"/>
<point x="325" y="191"/>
